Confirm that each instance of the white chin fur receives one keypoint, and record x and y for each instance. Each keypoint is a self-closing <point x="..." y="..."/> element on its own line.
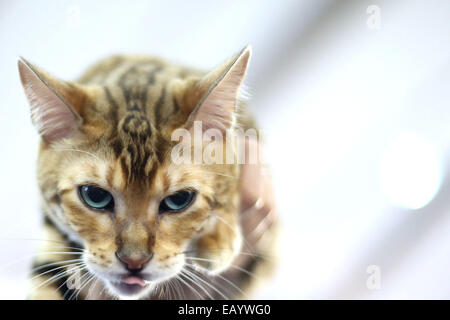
<point x="145" y="292"/>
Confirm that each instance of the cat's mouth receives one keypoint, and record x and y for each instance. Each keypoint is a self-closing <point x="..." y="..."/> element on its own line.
<point x="130" y="285"/>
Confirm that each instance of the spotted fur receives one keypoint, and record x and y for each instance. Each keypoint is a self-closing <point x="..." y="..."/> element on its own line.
<point x="112" y="128"/>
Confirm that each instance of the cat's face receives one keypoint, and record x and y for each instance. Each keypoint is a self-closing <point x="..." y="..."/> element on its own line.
<point x="143" y="228"/>
<point x="112" y="185"/>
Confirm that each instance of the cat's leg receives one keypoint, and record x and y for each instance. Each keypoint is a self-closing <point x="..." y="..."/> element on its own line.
<point x="56" y="267"/>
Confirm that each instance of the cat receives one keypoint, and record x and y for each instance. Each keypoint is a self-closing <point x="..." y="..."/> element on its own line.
<point x="122" y="220"/>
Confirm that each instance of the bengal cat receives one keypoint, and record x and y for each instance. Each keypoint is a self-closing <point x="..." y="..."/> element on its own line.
<point x="122" y="220"/>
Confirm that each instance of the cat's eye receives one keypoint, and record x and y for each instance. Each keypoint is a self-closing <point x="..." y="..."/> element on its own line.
<point x="96" y="198"/>
<point x="177" y="201"/>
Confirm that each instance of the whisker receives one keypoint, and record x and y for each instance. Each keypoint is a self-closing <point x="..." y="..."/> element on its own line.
<point x="188" y="276"/>
<point x="53" y="264"/>
<point x="103" y="290"/>
<point x="231" y="266"/>
<point x="173" y="289"/>
<point x="56" y="277"/>
<point x="76" y="288"/>
<point x="91" y="288"/>
<point x="168" y="291"/>
<point x="164" y="290"/>
<point x="180" y="288"/>
<point x="259" y="255"/>
<point x="207" y="283"/>
<point x="221" y="277"/>
<point x="54" y="269"/>
<point x="161" y="288"/>
<point x="33" y="255"/>
<point x="189" y="286"/>
<point x="174" y="295"/>
<point x="61" y="252"/>
<point x="92" y="277"/>
<point x="83" y="267"/>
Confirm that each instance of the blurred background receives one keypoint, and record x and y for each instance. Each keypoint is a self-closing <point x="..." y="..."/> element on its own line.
<point x="353" y="97"/>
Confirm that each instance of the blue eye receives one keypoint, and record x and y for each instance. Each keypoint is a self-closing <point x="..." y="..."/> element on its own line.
<point x="96" y="198"/>
<point x="177" y="202"/>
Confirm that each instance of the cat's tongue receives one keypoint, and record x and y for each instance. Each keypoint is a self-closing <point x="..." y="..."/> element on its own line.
<point x="134" y="280"/>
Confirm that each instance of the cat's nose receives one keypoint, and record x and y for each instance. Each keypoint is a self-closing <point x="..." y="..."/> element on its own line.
<point x="134" y="264"/>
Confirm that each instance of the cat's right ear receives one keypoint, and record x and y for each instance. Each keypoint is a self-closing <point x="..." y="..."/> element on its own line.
<point x="53" y="102"/>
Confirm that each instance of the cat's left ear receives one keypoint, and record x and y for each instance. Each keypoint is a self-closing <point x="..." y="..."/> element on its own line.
<point x="54" y="103"/>
<point x="219" y="91"/>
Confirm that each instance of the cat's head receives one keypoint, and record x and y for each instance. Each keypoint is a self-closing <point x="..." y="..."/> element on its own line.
<point x="108" y="180"/>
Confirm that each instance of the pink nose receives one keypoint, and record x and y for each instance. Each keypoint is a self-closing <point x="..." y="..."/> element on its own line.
<point x="134" y="264"/>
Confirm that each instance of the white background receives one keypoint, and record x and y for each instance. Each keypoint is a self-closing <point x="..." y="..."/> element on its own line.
<point x="357" y="122"/>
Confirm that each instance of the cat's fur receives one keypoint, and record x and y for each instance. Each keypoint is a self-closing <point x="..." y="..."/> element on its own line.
<point x="112" y="128"/>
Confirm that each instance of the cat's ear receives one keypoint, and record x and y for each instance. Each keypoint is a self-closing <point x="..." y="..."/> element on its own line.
<point x="219" y="91"/>
<point x="53" y="102"/>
